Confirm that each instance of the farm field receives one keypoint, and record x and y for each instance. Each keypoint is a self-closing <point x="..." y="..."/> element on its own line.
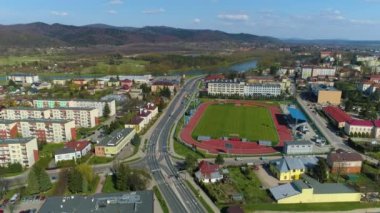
<point x="251" y="122"/>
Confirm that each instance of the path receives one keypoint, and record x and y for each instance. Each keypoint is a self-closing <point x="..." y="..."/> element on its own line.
<point x="100" y="185"/>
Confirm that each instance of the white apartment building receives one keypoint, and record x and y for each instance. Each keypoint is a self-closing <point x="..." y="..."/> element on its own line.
<point x="77" y="104"/>
<point x="83" y="117"/>
<point x="23" y="78"/>
<point x="308" y="72"/>
<point x="228" y="87"/>
<point x="20" y="150"/>
<point x="48" y="130"/>
<point x="262" y="89"/>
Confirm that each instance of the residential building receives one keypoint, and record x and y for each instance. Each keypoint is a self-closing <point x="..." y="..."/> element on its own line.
<point x="73" y="150"/>
<point x="137" y="123"/>
<point x="138" y="79"/>
<point x="113" y="82"/>
<point x="78" y="104"/>
<point x="342" y="162"/>
<point x="208" y="172"/>
<point x="80" y="81"/>
<point x="8" y="129"/>
<point x="298" y="147"/>
<point x="159" y="85"/>
<point x="152" y="108"/>
<point x="60" y="82"/>
<point x="291" y="168"/>
<point x="47" y="130"/>
<point x="20" y="150"/>
<point x="41" y="85"/>
<point x="306" y="72"/>
<point x="143" y="117"/>
<point x="324" y="71"/>
<point x="326" y="95"/>
<point x="309" y="190"/>
<point x="214" y="77"/>
<point x="362" y="127"/>
<point x="23" y="78"/>
<point x="83" y="117"/>
<point x="126" y="82"/>
<point x="112" y="144"/>
<point x="136" y="94"/>
<point x="136" y="202"/>
<point x="337" y="116"/>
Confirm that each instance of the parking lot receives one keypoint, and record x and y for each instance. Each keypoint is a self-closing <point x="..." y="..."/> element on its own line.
<point x="27" y="204"/>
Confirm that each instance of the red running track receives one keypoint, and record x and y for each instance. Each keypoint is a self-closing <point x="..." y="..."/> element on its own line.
<point x="217" y="145"/>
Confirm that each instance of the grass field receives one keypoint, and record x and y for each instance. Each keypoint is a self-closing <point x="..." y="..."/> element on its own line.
<point x="251" y="122"/>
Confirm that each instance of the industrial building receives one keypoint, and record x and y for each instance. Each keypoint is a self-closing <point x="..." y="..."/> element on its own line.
<point x="20" y="150"/>
<point x="298" y="147"/>
<point x="136" y="202"/>
<point x="309" y="190"/>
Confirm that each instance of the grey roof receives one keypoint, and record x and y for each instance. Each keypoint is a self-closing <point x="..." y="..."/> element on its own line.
<point x="64" y="150"/>
<point x="136" y="202"/>
<point x="327" y="188"/>
<point x="3" y="121"/>
<point x="289" y="163"/>
<point x="295" y="143"/>
<point x="283" y="191"/>
<point x="74" y="99"/>
<point x="22" y="74"/>
<point x="115" y="137"/>
<point x="42" y="120"/>
<point x="15" y="140"/>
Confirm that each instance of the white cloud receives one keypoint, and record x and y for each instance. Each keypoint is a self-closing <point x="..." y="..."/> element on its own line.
<point x="115" y="2"/>
<point x="59" y="13"/>
<point x="332" y="14"/>
<point x="154" y="11"/>
<point x="196" y="21"/>
<point x="112" y="12"/>
<point x="234" y="17"/>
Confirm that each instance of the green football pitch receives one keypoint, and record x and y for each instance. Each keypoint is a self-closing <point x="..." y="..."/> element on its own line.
<point x="251" y="122"/>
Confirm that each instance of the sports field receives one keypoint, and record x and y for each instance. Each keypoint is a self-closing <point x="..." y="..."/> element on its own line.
<point x="251" y="122"/>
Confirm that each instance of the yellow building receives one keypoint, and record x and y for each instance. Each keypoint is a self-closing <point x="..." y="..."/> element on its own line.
<point x="115" y="142"/>
<point x="309" y="190"/>
<point x="291" y="168"/>
<point x="326" y="94"/>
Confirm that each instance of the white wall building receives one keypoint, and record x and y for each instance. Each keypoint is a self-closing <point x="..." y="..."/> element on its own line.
<point x="20" y="150"/>
<point x="23" y="78"/>
<point x="226" y="87"/>
<point x="262" y="89"/>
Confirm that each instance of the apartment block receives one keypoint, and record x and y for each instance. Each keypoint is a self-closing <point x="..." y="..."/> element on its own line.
<point x="20" y="150"/>
<point x="8" y="129"/>
<point x="77" y="104"/>
<point x="83" y="117"/>
<point x="143" y="117"/>
<point x="23" y="78"/>
<point x="47" y="130"/>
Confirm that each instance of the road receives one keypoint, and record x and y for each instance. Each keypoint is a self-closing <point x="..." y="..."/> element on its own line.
<point x="173" y="188"/>
<point x="336" y="141"/>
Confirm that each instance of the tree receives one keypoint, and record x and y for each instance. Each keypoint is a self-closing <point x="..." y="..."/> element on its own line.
<point x="165" y="92"/>
<point x="136" y="140"/>
<point x="190" y="162"/>
<point x="43" y="179"/>
<point x="106" y="111"/>
<point x="348" y="106"/>
<point x="219" y="159"/>
<point x="75" y="181"/>
<point x="321" y="171"/>
<point x="33" y="185"/>
<point x="145" y="88"/>
<point x="121" y="177"/>
<point x="87" y="172"/>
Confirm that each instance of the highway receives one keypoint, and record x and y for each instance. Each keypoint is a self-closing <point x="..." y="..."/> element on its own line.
<point x="173" y="188"/>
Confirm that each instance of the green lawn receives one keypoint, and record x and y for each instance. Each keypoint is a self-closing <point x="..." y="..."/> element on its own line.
<point x="109" y="185"/>
<point x="99" y="160"/>
<point x="46" y="154"/>
<point x="251" y="122"/>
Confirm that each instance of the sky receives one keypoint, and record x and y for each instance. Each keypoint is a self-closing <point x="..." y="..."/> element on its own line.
<point x="307" y="19"/>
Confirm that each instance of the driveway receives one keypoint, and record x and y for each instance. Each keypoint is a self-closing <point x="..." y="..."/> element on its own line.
<point x="266" y="179"/>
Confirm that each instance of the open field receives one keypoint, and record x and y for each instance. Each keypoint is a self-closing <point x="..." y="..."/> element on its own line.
<point x="251" y="122"/>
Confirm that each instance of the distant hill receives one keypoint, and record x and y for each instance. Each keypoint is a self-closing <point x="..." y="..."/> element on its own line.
<point x="45" y="35"/>
<point x="336" y="42"/>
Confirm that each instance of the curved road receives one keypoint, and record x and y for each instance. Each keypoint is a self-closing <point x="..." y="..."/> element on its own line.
<point x="177" y="195"/>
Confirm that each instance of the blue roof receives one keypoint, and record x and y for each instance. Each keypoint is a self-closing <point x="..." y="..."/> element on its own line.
<point x="296" y="114"/>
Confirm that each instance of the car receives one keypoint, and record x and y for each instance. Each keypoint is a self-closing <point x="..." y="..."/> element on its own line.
<point x="42" y="197"/>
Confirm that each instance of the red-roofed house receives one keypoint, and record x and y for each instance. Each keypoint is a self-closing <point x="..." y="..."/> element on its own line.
<point x="208" y="172"/>
<point x="343" y="162"/>
<point x="159" y="85"/>
<point x="337" y="116"/>
<point x="126" y="82"/>
<point x="359" y="127"/>
<point x="138" y="123"/>
<point x="375" y="78"/>
<point x="73" y="150"/>
<point x="152" y="108"/>
<point x="376" y="130"/>
<point x="214" y="77"/>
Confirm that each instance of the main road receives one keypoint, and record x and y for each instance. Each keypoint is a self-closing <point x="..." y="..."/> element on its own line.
<point x="173" y="188"/>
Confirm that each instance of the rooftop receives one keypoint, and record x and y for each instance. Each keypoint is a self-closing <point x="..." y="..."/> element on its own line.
<point x="134" y="202"/>
<point x="296" y="114"/>
<point x="80" y="100"/>
<point x="77" y="145"/>
<point x="342" y="156"/>
<point x="356" y="122"/>
<point x="15" y="140"/>
<point x="64" y="150"/>
<point x="115" y="137"/>
<point x="296" y="143"/>
<point x="337" y="114"/>
<point x="41" y="120"/>
<point x="283" y="191"/>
